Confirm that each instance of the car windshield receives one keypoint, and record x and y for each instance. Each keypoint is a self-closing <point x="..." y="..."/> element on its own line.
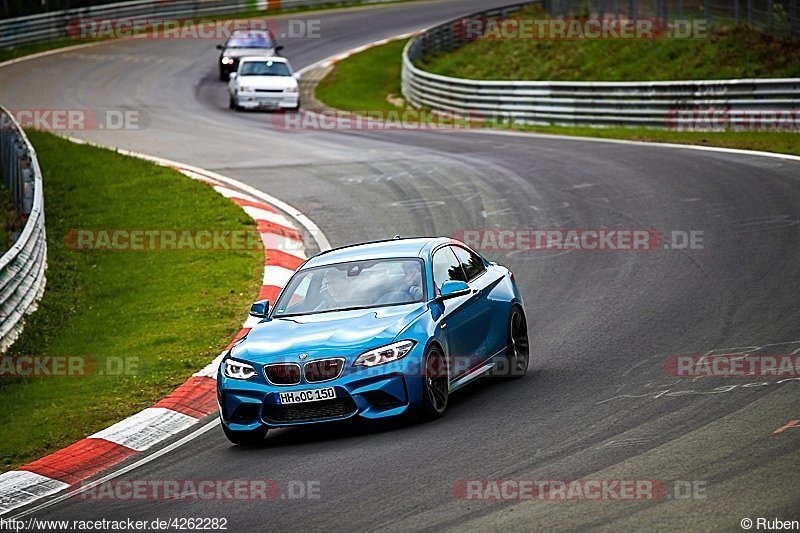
<point x="352" y="285"/>
<point x="265" y="68"/>
<point x="254" y="41"/>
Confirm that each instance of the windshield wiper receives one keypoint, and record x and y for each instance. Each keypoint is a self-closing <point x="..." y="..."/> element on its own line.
<point x="330" y="311"/>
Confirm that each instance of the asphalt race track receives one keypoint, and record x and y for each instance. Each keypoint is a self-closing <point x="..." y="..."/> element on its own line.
<point x="597" y="402"/>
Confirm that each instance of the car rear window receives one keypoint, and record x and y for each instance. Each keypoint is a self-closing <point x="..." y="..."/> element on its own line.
<point x="265" y="68"/>
<point x="259" y="41"/>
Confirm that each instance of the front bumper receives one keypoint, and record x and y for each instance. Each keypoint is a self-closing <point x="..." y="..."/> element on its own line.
<point x="281" y="100"/>
<point x="375" y="393"/>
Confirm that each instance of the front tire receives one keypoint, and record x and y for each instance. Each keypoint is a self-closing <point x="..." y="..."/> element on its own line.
<point x="436" y="385"/>
<point x="245" y="438"/>
<point x="518" y="349"/>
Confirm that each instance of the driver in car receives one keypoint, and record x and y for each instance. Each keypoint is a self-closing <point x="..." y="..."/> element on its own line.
<point x="335" y="291"/>
<point x="412" y="279"/>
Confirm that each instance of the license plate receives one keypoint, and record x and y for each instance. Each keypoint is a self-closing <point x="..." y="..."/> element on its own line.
<point x="312" y="395"/>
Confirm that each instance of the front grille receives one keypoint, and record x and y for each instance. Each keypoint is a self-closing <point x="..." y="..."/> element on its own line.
<point x="283" y="373"/>
<point x="323" y="370"/>
<point x="304" y="412"/>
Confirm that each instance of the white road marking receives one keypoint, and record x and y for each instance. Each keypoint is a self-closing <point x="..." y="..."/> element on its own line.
<point x="227" y="192"/>
<point x="262" y="214"/>
<point x="210" y="370"/>
<point x="273" y="241"/>
<point x="20" y="487"/>
<point x="489" y="131"/>
<point x="146" y="428"/>
<point x="124" y="470"/>
<point x="277" y="276"/>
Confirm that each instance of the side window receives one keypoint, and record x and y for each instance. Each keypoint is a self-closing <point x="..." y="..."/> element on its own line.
<point x="446" y="267"/>
<point x="471" y="263"/>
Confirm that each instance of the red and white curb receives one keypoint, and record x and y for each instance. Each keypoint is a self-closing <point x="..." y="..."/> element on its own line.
<point x="191" y="402"/>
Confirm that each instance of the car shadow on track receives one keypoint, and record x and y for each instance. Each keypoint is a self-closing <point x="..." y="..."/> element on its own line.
<point x="463" y="403"/>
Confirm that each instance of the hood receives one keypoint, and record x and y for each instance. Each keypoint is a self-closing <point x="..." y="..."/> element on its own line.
<point x="242" y="52"/>
<point x="268" y="82"/>
<point x="345" y="333"/>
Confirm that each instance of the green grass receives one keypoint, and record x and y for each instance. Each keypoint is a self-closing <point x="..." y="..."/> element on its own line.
<point x="780" y="142"/>
<point x="734" y="52"/>
<point x="363" y="82"/>
<point x="170" y="312"/>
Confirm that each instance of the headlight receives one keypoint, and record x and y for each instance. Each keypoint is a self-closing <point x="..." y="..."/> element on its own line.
<point x="237" y="370"/>
<point x="227" y="61"/>
<point x="384" y="354"/>
<point x="246" y="89"/>
<point x="294" y="89"/>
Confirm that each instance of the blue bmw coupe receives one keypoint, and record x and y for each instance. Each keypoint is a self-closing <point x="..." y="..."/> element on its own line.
<point x="373" y="330"/>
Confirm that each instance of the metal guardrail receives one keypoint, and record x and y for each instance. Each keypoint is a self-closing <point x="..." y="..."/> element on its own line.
<point x="54" y="25"/>
<point x="22" y="268"/>
<point x="651" y="104"/>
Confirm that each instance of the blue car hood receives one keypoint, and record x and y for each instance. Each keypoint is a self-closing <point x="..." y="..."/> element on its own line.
<point x="344" y="333"/>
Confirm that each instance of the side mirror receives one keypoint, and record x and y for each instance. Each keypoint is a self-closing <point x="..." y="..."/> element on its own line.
<point x="232" y="76"/>
<point x="278" y="49"/>
<point x="260" y="309"/>
<point x="453" y="289"/>
<point x="220" y="47"/>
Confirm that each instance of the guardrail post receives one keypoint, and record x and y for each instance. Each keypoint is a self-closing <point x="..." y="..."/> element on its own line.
<point x="749" y="11"/>
<point x="794" y="23"/>
<point x="769" y="13"/>
<point x="736" y="11"/>
<point x="707" y="11"/>
<point x="631" y="9"/>
<point x="27" y="189"/>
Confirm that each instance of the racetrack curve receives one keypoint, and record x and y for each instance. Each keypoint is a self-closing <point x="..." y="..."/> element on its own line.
<point x="601" y="323"/>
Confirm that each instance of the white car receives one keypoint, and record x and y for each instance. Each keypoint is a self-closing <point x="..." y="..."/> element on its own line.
<point x="263" y="82"/>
